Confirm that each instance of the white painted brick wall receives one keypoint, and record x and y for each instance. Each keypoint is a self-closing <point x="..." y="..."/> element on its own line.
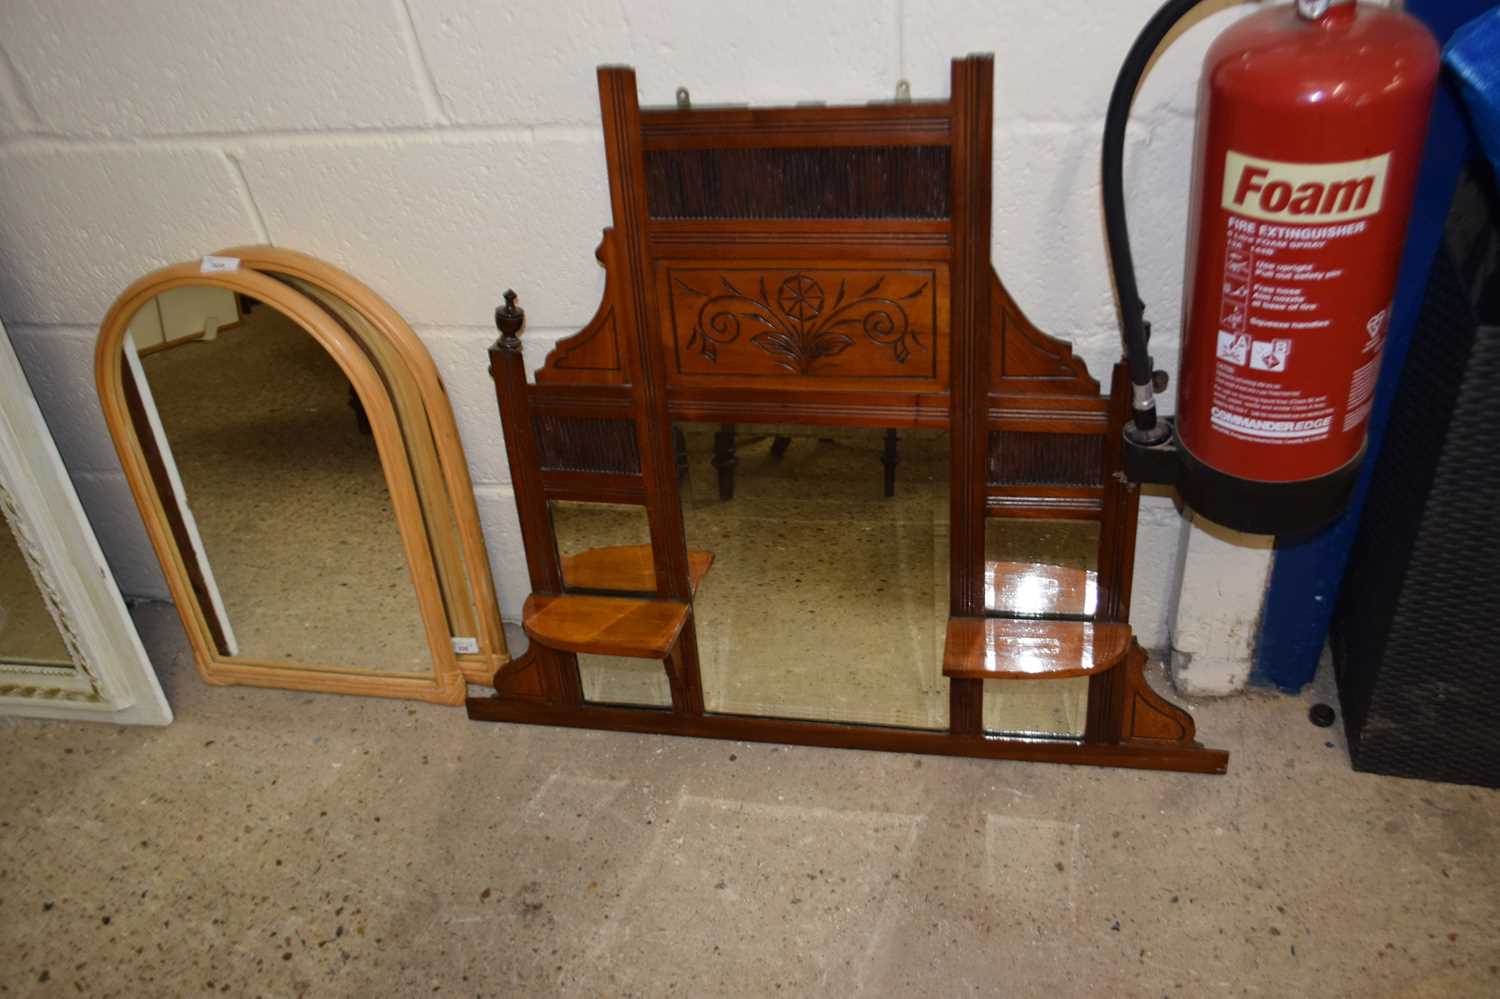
<point x="535" y="63"/>
<point x="111" y="509"/>
<point x="1222" y="576"/>
<point x="443" y="150"/>
<point x="15" y="114"/>
<point x="502" y="535"/>
<point x="436" y="221"/>
<point x="1158" y="537"/>
<point x="158" y="67"/>
<point x="80" y="223"/>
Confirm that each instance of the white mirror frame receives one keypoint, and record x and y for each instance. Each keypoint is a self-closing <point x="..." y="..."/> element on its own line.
<point x="112" y="679"/>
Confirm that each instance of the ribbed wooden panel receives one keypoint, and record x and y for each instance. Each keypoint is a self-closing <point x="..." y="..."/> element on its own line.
<point x="1022" y="459"/>
<point x="583" y="444"/>
<point x="857" y="182"/>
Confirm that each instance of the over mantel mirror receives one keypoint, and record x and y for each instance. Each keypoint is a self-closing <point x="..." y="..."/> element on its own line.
<point x="809" y="474"/>
<point x="296" y="464"/>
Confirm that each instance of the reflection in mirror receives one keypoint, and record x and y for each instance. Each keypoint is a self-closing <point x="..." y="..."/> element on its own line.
<point x="1036" y="707"/>
<point x="28" y="633"/>
<point x="439" y="516"/>
<point x="606" y="548"/>
<point x="640" y="683"/>
<point x="827" y="599"/>
<point x="1047" y="569"/>
<point x="284" y="487"/>
<point x="1041" y="568"/>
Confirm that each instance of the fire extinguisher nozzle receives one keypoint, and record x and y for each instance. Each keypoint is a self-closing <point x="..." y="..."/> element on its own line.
<point x="1145" y="429"/>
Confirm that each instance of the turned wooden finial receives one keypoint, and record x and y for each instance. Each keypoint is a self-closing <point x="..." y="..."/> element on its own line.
<point x="508" y="319"/>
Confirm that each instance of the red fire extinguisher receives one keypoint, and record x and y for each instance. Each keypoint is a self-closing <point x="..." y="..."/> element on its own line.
<point x="1311" y="123"/>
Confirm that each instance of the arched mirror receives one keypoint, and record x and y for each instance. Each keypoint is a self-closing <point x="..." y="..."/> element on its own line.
<point x="295" y="460"/>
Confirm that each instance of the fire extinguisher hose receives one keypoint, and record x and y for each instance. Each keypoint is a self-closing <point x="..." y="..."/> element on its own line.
<point x="1132" y="310"/>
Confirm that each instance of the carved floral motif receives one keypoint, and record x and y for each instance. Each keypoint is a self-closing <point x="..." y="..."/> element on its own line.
<point x="798" y="326"/>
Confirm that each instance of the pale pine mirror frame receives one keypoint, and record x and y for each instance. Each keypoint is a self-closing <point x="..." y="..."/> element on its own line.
<point x="389" y="355"/>
<point x="111" y="678"/>
<point x="400" y="351"/>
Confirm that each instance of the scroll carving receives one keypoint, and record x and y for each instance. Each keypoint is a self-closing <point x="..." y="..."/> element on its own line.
<point x="851" y="323"/>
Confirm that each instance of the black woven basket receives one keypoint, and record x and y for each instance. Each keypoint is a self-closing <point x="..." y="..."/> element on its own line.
<point x="1416" y="636"/>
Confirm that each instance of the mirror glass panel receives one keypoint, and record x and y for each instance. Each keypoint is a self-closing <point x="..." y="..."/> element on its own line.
<point x="640" y="683"/>
<point x="284" y="487"/>
<point x="826" y="598"/>
<point x="28" y="634"/>
<point x="1039" y="569"/>
<point x="1036" y="707"/>
<point x="606" y="548"/>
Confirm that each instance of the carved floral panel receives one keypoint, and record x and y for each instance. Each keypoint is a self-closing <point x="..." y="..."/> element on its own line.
<point x="848" y="322"/>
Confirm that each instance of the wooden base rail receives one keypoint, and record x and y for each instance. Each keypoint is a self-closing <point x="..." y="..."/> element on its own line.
<point x="1139" y="753"/>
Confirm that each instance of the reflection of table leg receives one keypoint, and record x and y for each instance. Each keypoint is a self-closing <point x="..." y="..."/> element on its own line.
<point x="679" y="446"/>
<point x="361" y="418"/>
<point x="890" y="458"/>
<point x="724" y="460"/>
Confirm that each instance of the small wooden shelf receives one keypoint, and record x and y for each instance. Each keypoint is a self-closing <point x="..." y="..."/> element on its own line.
<point x="624" y="569"/>
<point x="610" y="626"/>
<point x="1036" y="589"/>
<point x="994" y="648"/>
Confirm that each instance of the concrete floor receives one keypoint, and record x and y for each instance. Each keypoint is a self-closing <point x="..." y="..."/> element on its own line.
<point x="280" y="844"/>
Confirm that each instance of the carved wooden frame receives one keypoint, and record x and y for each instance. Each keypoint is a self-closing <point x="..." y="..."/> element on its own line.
<point x="111" y="679"/>
<point x="993" y="378"/>
<point x="369" y="372"/>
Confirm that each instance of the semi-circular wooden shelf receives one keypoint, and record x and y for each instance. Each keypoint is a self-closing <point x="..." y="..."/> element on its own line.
<point x="608" y="626"/>
<point x="625" y="569"/>
<point x="998" y="648"/>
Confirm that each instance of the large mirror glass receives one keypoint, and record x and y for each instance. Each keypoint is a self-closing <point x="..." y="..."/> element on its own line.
<point x="827" y="599"/>
<point x="828" y="594"/>
<point x="28" y="633"/>
<point x="281" y="484"/>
